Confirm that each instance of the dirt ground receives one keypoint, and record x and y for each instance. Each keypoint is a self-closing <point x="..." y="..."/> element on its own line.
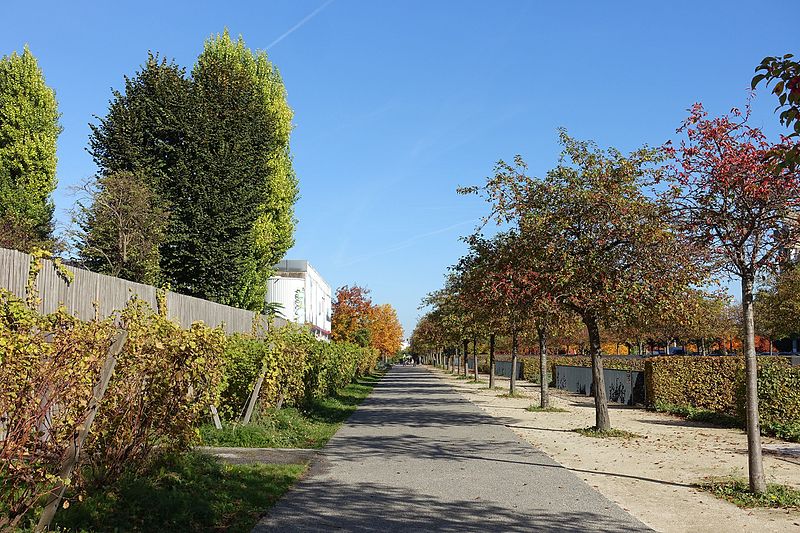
<point x="651" y="477"/>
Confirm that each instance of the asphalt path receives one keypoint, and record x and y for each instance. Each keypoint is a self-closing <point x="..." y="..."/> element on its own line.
<point x="416" y="456"/>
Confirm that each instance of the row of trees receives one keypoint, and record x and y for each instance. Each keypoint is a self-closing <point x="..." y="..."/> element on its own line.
<point x="195" y="187"/>
<point x="359" y="321"/>
<point x="618" y="241"/>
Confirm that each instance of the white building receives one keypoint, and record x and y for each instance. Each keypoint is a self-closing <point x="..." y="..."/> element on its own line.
<point x="304" y="295"/>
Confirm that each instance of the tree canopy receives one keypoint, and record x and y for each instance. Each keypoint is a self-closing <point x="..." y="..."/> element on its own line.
<point x="213" y="146"/>
<point x="29" y="130"/>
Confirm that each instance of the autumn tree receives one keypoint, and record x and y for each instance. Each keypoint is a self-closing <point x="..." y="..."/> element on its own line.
<point x="452" y="318"/>
<point x="733" y="199"/>
<point x="608" y="246"/>
<point x="777" y="305"/>
<point x="352" y="312"/>
<point x="29" y="129"/>
<point x="505" y="281"/>
<point x="386" y="333"/>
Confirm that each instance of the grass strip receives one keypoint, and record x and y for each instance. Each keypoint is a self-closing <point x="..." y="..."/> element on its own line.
<point x="606" y="434"/>
<point x="512" y="395"/>
<point x="737" y="491"/>
<point x="187" y="492"/>
<point x="551" y="409"/>
<point x="293" y="427"/>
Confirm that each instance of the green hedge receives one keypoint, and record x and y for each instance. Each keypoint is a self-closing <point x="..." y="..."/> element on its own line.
<point x="700" y="382"/>
<point x="716" y="384"/>
<point x="778" y="399"/>
<point x="297" y="367"/>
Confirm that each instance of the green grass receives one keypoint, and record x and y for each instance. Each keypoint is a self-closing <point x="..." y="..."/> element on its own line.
<point x="190" y="492"/>
<point x="699" y="415"/>
<point x="737" y="491"/>
<point x="551" y="409"/>
<point x="292" y="427"/>
<point x="512" y="395"/>
<point x="789" y="431"/>
<point x="608" y="434"/>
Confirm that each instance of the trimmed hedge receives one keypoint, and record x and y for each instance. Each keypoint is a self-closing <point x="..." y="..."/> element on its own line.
<point x="717" y="384"/>
<point x="778" y="399"/>
<point x="700" y="382"/>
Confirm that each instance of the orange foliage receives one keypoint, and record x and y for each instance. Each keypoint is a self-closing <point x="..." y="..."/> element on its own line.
<point x="351" y="314"/>
<point x="386" y="331"/>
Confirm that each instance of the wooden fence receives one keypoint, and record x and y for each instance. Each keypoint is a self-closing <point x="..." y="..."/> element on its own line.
<point x="112" y="294"/>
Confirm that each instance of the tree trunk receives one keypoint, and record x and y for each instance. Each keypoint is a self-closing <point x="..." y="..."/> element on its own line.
<point x="491" y="361"/>
<point x="475" y="357"/>
<point x="758" y="482"/>
<point x="602" y="418"/>
<point x="466" y="355"/>
<point x="513" y="381"/>
<point x="544" y="380"/>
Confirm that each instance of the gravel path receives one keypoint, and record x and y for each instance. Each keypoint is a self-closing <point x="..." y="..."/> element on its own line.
<point x="416" y="456"/>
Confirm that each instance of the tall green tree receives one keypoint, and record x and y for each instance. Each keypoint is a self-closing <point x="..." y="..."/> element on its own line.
<point x="140" y="147"/>
<point x="29" y="129"/>
<point x="214" y="148"/>
<point x="238" y="220"/>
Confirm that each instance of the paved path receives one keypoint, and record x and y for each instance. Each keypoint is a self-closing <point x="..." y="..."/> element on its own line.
<point x="416" y="456"/>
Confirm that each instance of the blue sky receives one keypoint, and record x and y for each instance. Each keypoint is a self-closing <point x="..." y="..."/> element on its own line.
<point x="398" y="103"/>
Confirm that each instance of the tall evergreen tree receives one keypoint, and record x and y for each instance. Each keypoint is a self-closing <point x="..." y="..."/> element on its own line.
<point x="145" y="130"/>
<point x="29" y="129"/>
<point x="214" y="148"/>
<point x="238" y="221"/>
<point x="139" y="146"/>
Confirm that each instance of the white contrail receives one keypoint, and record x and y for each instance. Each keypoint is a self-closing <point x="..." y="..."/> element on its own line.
<point x="299" y="24"/>
<point x="408" y="242"/>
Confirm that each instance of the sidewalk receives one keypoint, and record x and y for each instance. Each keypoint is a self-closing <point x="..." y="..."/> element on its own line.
<point x="652" y="477"/>
<point x="416" y="456"/>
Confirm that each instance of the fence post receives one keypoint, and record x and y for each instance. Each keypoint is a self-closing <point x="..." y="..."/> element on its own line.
<point x="70" y="458"/>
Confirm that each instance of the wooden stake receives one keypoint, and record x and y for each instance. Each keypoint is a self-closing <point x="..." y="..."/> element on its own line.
<point x="72" y="453"/>
<point x="215" y="417"/>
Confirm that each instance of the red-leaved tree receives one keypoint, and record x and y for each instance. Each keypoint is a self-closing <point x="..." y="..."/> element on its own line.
<point x="743" y="207"/>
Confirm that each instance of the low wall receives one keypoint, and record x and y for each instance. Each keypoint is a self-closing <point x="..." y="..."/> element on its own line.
<point x="622" y="386"/>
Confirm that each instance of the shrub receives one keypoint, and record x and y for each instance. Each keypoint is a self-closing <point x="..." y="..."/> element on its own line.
<point x="699" y="382"/>
<point x="367" y="361"/>
<point x="332" y="366"/>
<point x="778" y="399"/>
<point x="243" y="358"/>
<point x="285" y="365"/>
<point x="297" y="368"/>
<point x="164" y="381"/>
<point x="683" y="385"/>
<point x="48" y="366"/>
